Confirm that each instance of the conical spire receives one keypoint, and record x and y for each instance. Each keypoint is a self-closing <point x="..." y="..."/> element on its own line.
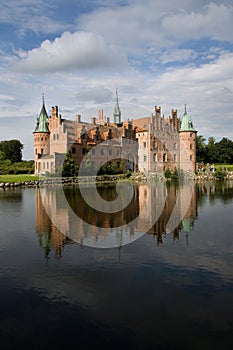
<point x="117" y="111"/>
<point x="186" y="124"/>
<point x="42" y="120"/>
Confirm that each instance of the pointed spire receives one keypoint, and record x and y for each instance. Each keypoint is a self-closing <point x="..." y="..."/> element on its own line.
<point x="43" y="120"/>
<point x="185" y="108"/>
<point x="117" y="111"/>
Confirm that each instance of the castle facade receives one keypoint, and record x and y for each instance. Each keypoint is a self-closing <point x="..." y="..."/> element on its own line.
<point x="149" y="144"/>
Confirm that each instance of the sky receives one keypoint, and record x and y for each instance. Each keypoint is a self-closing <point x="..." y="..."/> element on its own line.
<point x="155" y="52"/>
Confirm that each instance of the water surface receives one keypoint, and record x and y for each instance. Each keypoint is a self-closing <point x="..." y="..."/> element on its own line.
<point x="169" y="289"/>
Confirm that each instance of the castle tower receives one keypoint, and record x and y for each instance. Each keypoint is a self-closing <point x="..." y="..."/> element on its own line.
<point x="117" y="112"/>
<point x="187" y="137"/>
<point x="41" y="136"/>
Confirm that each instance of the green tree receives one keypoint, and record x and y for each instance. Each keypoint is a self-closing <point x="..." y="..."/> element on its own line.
<point x="11" y="150"/>
<point x="69" y="167"/>
<point x="224" y="149"/>
<point x="211" y="151"/>
<point x="201" y="148"/>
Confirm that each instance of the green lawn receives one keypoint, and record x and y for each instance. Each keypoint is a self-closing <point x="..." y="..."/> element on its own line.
<point x="18" y="178"/>
<point x="228" y="167"/>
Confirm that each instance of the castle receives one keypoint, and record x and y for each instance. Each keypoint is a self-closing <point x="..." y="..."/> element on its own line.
<point x="149" y="144"/>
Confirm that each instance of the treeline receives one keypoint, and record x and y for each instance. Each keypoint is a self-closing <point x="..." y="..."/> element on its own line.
<point x="214" y="152"/>
<point x="11" y="158"/>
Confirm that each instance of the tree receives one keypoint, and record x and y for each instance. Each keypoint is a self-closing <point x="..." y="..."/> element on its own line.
<point x="69" y="168"/>
<point x="224" y="149"/>
<point x="11" y="150"/>
<point x="211" y="151"/>
<point x="201" y="148"/>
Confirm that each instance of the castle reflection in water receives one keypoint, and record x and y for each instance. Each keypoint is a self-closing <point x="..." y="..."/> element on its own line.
<point x="178" y="211"/>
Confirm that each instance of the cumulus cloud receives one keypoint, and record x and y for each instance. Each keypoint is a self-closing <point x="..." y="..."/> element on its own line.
<point x="213" y="21"/>
<point x="156" y="24"/>
<point x="71" y="51"/>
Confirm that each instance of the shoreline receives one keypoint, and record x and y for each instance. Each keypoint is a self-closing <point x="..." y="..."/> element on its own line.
<point x="101" y="179"/>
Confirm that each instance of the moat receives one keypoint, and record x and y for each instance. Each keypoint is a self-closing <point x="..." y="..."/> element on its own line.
<point x="163" y="282"/>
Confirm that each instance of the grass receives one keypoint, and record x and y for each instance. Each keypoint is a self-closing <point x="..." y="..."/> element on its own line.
<point x="228" y="167"/>
<point x="18" y="178"/>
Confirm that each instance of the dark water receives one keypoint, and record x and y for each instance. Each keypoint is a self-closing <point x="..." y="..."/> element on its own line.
<point x="169" y="290"/>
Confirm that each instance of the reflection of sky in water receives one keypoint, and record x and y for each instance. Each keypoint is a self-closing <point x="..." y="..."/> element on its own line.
<point x="185" y="285"/>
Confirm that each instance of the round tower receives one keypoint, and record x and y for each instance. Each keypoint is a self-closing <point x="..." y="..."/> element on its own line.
<point x="187" y="136"/>
<point x="41" y="137"/>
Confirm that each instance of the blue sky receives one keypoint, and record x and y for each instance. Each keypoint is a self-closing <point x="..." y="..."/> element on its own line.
<point x="164" y="53"/>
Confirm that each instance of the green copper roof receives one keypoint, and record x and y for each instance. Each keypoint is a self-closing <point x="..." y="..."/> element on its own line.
<point x="43" y="121"/>
<point x="186" y="124"/>
<point x="187" y="224"/>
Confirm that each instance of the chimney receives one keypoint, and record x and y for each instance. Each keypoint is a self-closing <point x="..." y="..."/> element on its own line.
<point x="78" y="118"/>
<point x="55" y="111"/>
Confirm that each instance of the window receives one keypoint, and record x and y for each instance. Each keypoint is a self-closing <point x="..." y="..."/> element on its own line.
<point x="164" y="157"/>
<point x="191" y="134"/>
<point x="36" y="150"/>
<point x="57" y="137"/>
<point x="144" y="158"/>
<point x="110" y="152"/>
<point x="118" y="152"/>
<point x="42" y="151"/>
<point x="165" y="146"/>
<point x="144" y="144"/>
<point x="102" y="152"/>
<point x="54" y="137"/>
<point x="155" y="157"/>
<point x="191" y="146"/>
<point x="191" y="158"/>
<point x="175" y="146"/>
<point x="175" y="157"/>
<point x="47" y="165"/>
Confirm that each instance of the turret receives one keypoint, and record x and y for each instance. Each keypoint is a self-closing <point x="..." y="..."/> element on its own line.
<point x="41" y="135"/>
<point x="187" y="136"/>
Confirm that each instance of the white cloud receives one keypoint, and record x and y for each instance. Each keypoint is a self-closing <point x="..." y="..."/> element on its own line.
<point x="140" y="26"/>
<point x="213" y="22"/>
<point x="88" y="65"/>
<point x="96" y="94"/>
<point x="30" y="15"/>
<point x="177" y="55"/>
<point x="71" y="51"/>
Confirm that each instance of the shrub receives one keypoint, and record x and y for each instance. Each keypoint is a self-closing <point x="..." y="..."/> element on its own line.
<point x="175" y="175"/>
<point x="220" y="175"/>
<point x="167" y="173"/>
